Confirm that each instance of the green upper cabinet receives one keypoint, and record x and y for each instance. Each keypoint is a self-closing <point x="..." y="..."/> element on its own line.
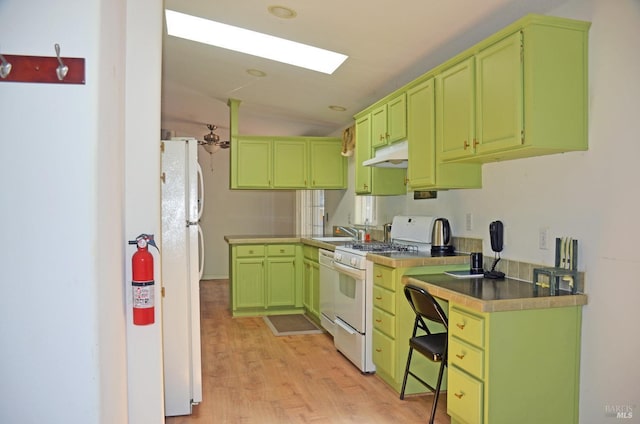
<point x="528" y="88"/>
<point x="389" y="122"/>
<point x="456" y="110"/>
<point x="259" y="162"/>
<point x="289" y="164"/>
<point x="499" y="95"/>
<point x="252" y="163"/>
<point x="372" y="180"/>
<point x="327" y="165"/>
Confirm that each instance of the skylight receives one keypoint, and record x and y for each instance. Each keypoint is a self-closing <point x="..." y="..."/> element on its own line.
<point x="251" y="42"/>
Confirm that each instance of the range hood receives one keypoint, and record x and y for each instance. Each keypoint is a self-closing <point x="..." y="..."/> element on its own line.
<point x="393" y="156"/>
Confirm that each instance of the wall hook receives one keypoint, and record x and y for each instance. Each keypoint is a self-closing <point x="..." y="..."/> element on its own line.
<point x="62" y="69"/>
<point x="5" y="67"/>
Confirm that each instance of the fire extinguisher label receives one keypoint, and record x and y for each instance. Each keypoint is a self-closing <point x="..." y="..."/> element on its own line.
<point x="143" y="294"/>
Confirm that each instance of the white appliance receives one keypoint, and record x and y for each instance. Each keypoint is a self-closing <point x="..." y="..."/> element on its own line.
<point x="411" y="235"/>
<point x="328" y="286"/>
<point x="182" y="248"/>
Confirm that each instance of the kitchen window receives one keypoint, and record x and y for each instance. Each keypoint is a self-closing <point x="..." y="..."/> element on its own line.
<point x="310" y="203"/>
<point x="365" y="210"/>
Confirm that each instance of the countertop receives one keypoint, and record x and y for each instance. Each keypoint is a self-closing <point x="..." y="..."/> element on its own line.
<point x="394" y="260"/>
<point x="487" y="295"/>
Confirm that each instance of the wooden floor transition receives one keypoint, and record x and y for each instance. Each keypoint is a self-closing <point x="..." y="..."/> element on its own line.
<point x="251" y="376"/>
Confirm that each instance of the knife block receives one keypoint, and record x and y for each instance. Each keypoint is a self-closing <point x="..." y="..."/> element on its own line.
<point x="560" y="271"/>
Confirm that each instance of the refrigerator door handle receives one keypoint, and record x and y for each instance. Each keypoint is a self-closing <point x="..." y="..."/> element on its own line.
<point x="200" y="192"/>
<point x="201" y="245"/>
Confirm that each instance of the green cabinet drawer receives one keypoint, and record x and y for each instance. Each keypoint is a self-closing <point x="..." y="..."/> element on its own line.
<point x="464" y="397"/>
<point x="310" y="252"/>
<point x="467" y="327"/>
<point x="466" y="357"/>
<point x="281" y="250"/>
<point x="385" y="322"/>
<point x="250" y="251"/>
<point x="383" y="276"/>
<point x="384" y="299"/>
<point x="384" y="354"/>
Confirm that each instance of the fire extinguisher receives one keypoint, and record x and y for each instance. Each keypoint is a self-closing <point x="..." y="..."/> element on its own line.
<point x="142" y="281"/>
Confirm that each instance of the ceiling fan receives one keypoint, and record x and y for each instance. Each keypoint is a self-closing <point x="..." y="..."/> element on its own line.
<point x="212" y="141"/>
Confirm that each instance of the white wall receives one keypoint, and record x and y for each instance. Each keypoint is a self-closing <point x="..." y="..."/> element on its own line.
<point x="590" y="196"/>
<point x="63" y="352"/>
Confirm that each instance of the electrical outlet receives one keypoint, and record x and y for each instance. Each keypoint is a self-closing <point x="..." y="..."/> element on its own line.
<point x="469" y="221"/>
<point x="543" y="238"/>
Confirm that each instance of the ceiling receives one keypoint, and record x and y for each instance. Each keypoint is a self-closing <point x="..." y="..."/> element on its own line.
<point x="388" y="44"/>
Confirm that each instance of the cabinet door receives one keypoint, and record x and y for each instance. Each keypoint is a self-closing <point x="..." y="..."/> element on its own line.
<point x="363" y="152"/>
<point x="499" y="91"/>
<point x="328" y="166"/>
<point x="289" y="164"/>
<point x="253" y="165"/>
<point x="379" y="133"/>
<point x="456" y="111"/>
<point x="248" y="283"/>
<point x="421" y="134"/>
<point x="281" y="281"/>
<point x="397" y="119"/>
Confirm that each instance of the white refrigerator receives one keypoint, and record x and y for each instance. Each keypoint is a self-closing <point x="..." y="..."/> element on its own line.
<point x="182" y="252"/>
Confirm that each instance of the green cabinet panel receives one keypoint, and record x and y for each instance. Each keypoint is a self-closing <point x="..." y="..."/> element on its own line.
<point x="379" y="127"/>
<point x="265" y="279"/>
<point x="289" y="164"/>
<point x="281" y="275"/>
<point x="326" y="171"/>
<point x="389" y="122"/>
<point x="249" y="283"/>
<point x="373" y="180"/>
<point x="499" y="91"/>
<point x="456" y="110"/>
<point x="425" y="172"/>
<point x="253" y="163"/>
<point x="312" y="288"/>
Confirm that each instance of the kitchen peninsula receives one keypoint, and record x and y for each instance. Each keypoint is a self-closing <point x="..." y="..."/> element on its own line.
<point x="514" y="350"/>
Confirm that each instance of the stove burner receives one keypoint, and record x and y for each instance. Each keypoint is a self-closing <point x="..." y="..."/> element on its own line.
<point x="383" y="247"/>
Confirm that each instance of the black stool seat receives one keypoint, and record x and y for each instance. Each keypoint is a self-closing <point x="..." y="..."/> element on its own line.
<point x="433" y="346"/>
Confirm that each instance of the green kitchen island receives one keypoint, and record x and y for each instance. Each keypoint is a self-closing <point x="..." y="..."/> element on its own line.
<point x="514" y="350"/>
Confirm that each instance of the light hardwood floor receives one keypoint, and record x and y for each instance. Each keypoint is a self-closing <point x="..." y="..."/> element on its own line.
<point x="251" y="376"/>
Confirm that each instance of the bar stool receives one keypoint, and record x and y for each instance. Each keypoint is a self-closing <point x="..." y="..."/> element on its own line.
<point x="431" y="345"/>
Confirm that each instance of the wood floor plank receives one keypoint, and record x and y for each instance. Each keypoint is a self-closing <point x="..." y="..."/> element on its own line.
<point x="251" y="376"/>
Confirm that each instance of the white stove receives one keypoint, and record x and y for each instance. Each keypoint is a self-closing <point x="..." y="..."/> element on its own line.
<point x="410" y="235"/>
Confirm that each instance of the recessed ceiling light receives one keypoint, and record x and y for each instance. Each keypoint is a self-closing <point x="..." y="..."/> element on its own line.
<point x="256" y="73"/>
<point x="282" y="12"/>
<point x="337" y="108"/>
<point x="251" y="42"/>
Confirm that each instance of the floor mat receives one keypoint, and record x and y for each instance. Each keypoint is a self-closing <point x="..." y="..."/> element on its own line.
<point x="290" y="325"/>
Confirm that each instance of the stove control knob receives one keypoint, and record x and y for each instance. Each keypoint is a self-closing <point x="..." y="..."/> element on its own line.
<point x="354" y="262"/>
<point x="338" y="256"/>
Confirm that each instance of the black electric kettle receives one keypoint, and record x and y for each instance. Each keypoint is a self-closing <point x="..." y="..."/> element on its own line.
<point x="441" y="237"/>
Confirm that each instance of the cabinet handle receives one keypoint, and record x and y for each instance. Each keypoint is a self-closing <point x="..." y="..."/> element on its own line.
<point x="387" y="134"/>
<point x="475" y="143"/>
<point x="381" y="137"/>
<point x="251" y="252"/>
<point x="378" y="275"/>
<point x="458" y="395"/>
<point x="466" y="145"/>
<point x="460" y="356"/>
<point x="378" y="350"/>
<point x="461" y="326"/>
<point x="378" y="297"/>
<point x="378" y="320"/>
<point x="281" y="250"/>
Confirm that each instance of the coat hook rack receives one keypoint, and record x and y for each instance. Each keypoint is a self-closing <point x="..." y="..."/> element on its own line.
<point x="42" y="69"/>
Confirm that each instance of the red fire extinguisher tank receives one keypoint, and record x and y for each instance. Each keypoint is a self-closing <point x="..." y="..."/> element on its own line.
<point x="143" y="281"/>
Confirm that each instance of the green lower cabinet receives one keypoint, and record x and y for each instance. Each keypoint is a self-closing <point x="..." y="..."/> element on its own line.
<point x="518" y="366"/>
<point x="266" y="279"/>
<point x="393" y="325"/>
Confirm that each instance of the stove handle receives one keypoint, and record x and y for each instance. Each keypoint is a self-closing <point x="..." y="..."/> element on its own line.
<point x="357" y="274"/>
<point x="345" y="327"/>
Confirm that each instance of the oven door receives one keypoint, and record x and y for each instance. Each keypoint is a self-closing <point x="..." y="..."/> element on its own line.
<point x="350" y="296"/>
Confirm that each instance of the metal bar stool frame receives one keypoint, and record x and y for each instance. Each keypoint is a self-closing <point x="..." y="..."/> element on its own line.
<point x="433" y="346"/>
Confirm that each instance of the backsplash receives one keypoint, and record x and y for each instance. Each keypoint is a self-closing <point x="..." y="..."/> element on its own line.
<point x="512" y="269"/>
